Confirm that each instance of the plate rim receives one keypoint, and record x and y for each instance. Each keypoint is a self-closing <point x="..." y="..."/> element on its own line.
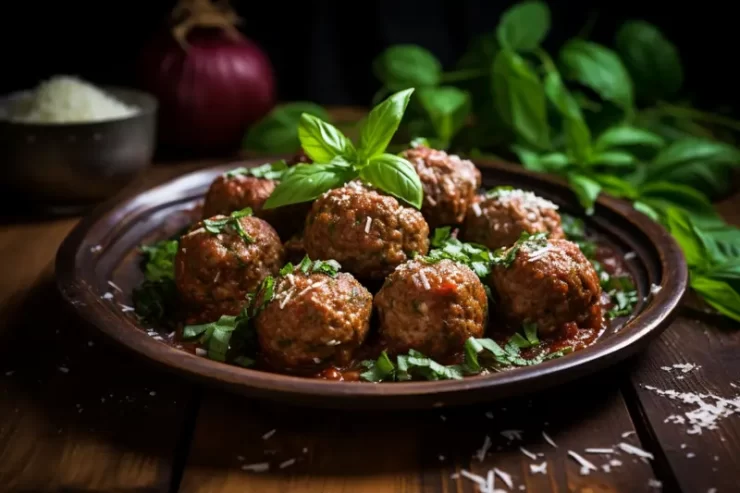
<point x="654" y="317"/>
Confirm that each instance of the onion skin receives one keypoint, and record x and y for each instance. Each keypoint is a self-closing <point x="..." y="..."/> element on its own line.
<point x="210" y="94"/>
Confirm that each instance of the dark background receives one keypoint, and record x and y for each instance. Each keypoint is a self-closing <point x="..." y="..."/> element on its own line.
<point x="322" y="50"/>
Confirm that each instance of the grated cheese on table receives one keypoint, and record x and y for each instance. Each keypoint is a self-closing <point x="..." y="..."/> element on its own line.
<point x="528" y="453"/>
<point x="115" y="286"/>
<point x="706" y="415"/>
<point x="548" y="439"/>
<point x="258" y="467"/>
<point x="631" y="449"/>
<point x="586" y="465"/>
<point x="269" y="434"/>
<point x="538" y="469"/>
<point x="481" y="453"/>
<point x="287" y="463"/>
<point x="599" y="450"/>
<point x="505" y="477"/>
<point x="512" y="434"/>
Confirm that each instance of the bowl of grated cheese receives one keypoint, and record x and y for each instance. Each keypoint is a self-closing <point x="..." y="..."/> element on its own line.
<point x="67" y="144"/>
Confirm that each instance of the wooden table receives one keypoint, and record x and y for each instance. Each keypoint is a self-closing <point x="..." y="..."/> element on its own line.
<point x="78" y="415"/>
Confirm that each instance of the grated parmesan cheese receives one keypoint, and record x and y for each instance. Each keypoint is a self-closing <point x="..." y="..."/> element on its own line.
<point x="424" y="280"/>
<point x="269" y="434"/>
<point x="68" y="99"/>
<point x="548" y="439"/>
<point x="258" y="467"/>
<point x="707" y="414"/>
<point x="528" y="199"/>
<point x="287" y="463"/>
<point x="505" y="477"/>
<point x="368" y="223"/>
<point x="476" y="209"/>
<point x="512" y="434"/>
<point x="538" y="469"/>
<point x="631" y="449"/>
<point x="481" y="453"/>
<point x="586" y="465"/>
<point x="599" y="450"/>
<point x="115" y="286"/>
<point x="528" y="453"/>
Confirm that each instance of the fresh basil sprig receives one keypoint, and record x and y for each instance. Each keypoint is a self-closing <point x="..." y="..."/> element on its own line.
<point x="277" y="132"/>
<point x="445" y="246"/>
<point x="337" y="161"/>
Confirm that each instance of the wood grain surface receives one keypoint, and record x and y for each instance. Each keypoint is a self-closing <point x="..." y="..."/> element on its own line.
<point x="416" y="451"/>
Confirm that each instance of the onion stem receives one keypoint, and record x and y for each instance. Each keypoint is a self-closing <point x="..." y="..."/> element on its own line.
<point x="189" y="14"/>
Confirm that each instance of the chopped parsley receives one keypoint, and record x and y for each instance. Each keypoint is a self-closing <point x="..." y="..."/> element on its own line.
<point x="307" y="266"/>
<point x="217" y="226"/>
<point x="620" y="289"/>
<point x="495" y="191"/>
<point x="268" y="171"/>
<point x="480" y="355"/>
<point x="155" y="299"/>
<point x="473" y="255"/>
<point x="505" y="256"/>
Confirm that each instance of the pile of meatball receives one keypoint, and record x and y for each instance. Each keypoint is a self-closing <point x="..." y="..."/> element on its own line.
<point x="319" y="320"/>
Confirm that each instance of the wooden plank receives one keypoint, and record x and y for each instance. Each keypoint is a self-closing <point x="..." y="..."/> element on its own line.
<point x="74" y="413"/>
<point x="415" y="451"/>
<point x="709" y="459"/>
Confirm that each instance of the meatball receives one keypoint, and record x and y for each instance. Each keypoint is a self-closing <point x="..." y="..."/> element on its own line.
<point x="214" y="270"/>
<point x="550" y="283"/>
<point x="368" y="232"/>
<point x="498" y="218"/>
<point x="449" y="185"/>
<point x="234" y="191"/>
<point x="433" y="307"/>
<point x="314" y="319"/>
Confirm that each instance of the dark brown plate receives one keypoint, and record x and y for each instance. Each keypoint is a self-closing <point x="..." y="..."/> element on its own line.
<point x="103" y="249"/>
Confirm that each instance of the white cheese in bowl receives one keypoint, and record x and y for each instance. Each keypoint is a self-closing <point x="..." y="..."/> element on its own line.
<point x="68" y="99"/>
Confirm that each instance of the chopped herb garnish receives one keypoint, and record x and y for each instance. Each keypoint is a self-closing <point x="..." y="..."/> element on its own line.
<point x="479" y="355"/>
<point x="505" y="257"/>
<point x="575" y="231"/>
<point x="419" y="142"/>
<point x="307" y="266"/>
<point x="268" y="171"/>
<point x="494" y="192"/>
<point x="475" y="256"/>
<point x="620" y="289"/>
<point x="215" y="336"/>
<point x="155" y="301"/>
<point x="160" y="259"/>
<point x="217" y="226"/>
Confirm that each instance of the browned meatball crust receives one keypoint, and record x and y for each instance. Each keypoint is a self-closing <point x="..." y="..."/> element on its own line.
<point x="498" y="218"/>
<point x="433" y="307"/>
<point x="449" y="184"/>
<point x="233" y="192"/>
<point x="549" y="283"/>
<point x="368" y="232"/>
<point x="314" y="320"/>
<point x="214" y="272"/>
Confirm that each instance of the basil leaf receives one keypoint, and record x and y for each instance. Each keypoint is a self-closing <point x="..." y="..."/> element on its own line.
<point x="322" y="141"/>
<point x="529" y="158"/>
<point x="524" y="26"/>
<point x="652" y="60"/>
<point x="624" y="136"/>
<point x="647" y="210"/>
<point x="520" y="98"/>
<point x="680" y="226"/>
<point x="530" y="333"/>
<point x="268" y="171"/>
<point x="586" y="189"/>
<point x="306" y="182"/>
<point x="663" y="195"/>
<point x="614" y="185"/>
<point x="396" y="176"/>
<point x="577" y="134"/>
<point x="719" y="295"/>
<point x="447" y="108"/>
<point x="722" y="242"/>
<point x="381" y="124"/>
<point x="277" y="132"/>
<point x="703" y="164"/>
<point x="406" y="65"/>
<point x="729" y="270"/>
<point x="598" y="68"/>
<point x="613" y="159"/>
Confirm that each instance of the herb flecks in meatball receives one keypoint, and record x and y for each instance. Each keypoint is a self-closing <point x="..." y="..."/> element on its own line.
<point x="316" y="316"/>
<point x="449" y="184"/>
<point x="251" y="187"/>
<point x="497" y="219"/>
<point x="368" y="232"/>
<point x="223" y="258"/>
<point x="432" y="307"/>
<point x="549" y="283"/>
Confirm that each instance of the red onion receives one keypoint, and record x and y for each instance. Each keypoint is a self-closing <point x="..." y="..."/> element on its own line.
<point x="212" y="83"/>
